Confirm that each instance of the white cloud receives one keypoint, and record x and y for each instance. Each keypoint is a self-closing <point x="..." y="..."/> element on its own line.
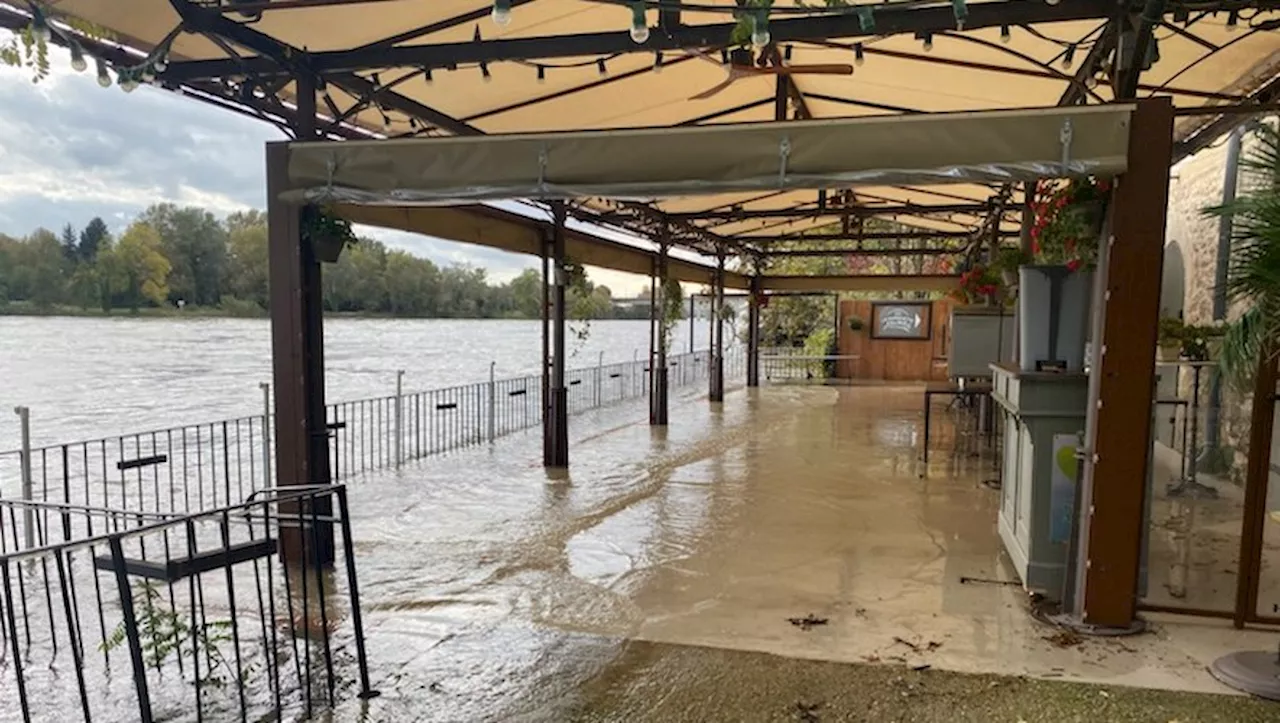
<point x="71" y="150"/>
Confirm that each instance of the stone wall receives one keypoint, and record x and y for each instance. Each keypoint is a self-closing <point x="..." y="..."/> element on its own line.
<point x="1196" y="183"/>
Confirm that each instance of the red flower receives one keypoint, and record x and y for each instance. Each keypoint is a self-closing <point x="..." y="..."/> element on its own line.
<point x="1104" y="185"/>
<point x="1074" y="265"/>
<point x="1035" y="244"/>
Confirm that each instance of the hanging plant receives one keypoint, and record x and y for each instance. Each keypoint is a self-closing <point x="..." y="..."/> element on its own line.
<point x="327" y="232"/>
<point x="979" y="285"/>
<point x="672" y="309"/>
<point x="577" y="292"/>
<point x="1006" y="263"/>
<point x="856" y="323"/>
<point x="1068" y="221"/>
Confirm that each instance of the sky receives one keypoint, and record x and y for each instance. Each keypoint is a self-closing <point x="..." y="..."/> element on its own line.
<point x="71" y="150"/>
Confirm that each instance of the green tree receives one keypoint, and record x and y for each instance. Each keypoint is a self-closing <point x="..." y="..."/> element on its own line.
<point x="195" y="244"/>
<point x="410" y="284"/>
<point x="526" y="294"/>
<point x="247" y="262"/>
<point x="139" y="267"/>
<point x="93" y="238"/>
<point x="70" y="246"/>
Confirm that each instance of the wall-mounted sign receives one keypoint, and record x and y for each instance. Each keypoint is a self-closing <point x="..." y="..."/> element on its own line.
<point x="901" y="320"/>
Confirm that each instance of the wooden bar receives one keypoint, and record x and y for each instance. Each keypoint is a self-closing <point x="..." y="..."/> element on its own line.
<point x="1120" y="438"/>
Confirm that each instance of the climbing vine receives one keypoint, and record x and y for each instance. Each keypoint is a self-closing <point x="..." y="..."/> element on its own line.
<point x="163" y="633"/>
<point x="672" y="309"/>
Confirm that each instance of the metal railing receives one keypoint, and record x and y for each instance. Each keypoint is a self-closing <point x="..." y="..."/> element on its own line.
<point x="198" y="466"/>
<point x="791" y="364"/>
<point x="116" y="615"/>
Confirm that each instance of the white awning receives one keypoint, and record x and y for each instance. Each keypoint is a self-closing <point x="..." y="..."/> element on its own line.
<point x="985" y="147"/>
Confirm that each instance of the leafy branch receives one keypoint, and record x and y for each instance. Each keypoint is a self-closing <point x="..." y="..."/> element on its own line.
<point x="163" y="632"/>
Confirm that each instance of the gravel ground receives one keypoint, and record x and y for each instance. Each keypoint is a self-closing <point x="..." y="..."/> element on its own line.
<point x="668" y="683"/>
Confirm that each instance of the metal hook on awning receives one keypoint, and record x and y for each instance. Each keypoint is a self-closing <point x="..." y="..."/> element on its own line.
<point x="784" y="153"/>
<point x="1064" y="138"/>
<point x="331" y="170"/>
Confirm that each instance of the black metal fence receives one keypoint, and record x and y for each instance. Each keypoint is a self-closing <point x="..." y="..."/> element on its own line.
<point x="195" y="467"/>
<point x="121" y="615"/>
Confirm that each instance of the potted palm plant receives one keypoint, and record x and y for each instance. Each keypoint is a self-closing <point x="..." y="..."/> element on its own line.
<point x="1253" y="281"/>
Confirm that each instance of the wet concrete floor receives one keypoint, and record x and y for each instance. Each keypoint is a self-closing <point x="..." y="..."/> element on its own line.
<point x="669" y="575"/>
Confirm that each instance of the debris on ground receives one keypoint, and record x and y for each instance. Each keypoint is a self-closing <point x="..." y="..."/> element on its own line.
<point x="928" y="647"/>
<point x="808" y="621"/>
<point x="965" y="580"/>
<point x="807" y="712"/>
<point x="1065" y="638"/>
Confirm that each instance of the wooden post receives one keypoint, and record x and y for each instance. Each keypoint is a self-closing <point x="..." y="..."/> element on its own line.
<point x="658" y="364"/>
<point x="1257" y="478"/>
<point x="1122" y="380"/>
<point x="753" y="334"/>
<point x="717" y="332"/>
<point x="559" y="392"/>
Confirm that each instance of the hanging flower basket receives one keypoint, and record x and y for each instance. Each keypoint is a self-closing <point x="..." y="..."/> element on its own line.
<point x="327" y="233"/>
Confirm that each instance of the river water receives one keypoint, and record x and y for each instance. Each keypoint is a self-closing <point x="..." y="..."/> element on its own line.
<point x="90" y="377"/>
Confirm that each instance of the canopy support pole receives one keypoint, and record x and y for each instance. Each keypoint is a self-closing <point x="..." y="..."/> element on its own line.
<point x="753" y="334"/>
<point x="658" y="340"/>
<point x="557" y="452"/>
<point x="297" y="344"/>
<point x="717" y="332"/>
<point x="1122" y="377"/>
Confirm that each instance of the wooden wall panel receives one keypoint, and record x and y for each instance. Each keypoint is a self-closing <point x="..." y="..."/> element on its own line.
<point x="893" y="359"/>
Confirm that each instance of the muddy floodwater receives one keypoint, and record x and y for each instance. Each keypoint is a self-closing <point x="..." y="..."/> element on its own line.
<point x="86" y="378"/>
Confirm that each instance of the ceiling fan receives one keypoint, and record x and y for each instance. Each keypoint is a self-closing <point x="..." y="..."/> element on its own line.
<point x="741" y="66"/>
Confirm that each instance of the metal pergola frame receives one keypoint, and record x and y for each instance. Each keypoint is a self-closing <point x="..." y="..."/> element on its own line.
<point x="267" y="78"/>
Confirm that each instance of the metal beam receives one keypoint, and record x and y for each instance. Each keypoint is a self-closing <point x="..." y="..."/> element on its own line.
<point x="297" y="63"/>
<point x="1212" y="131"/>
<point x="889" y="21"/>
<point x="815" y="253"/>
<point x="853" y="235"/>
<point x="1078" y="92"/>
<point x="860" y="282"/>
<point x="1126" y="85"/>
<point x="815" y="212"/>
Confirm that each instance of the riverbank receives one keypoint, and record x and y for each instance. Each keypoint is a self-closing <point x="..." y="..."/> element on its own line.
<point x="23" y="308"/>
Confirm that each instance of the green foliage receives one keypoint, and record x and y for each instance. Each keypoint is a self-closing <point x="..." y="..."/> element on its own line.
<point x="163" y="632"/>
<point x="821" y="342"/>
<point x="855" y="323"/>
<point x="1170" y="331"/>
<point x="172" y="253"/>
<point x="26" y="49"/>
<point x="672" y="309"/>
<point x="1253" y="271"/>
<point x="1068" y="220"/>
<point x="1009" y="258"/>
<point x="1198" y="341"/>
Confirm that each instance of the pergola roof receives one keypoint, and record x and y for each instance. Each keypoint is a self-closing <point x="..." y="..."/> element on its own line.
<point x="570" y="65"/>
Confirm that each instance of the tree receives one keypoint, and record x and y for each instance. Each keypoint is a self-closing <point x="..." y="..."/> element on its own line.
<point x="93" y="238"/>
<point x="70" y="246"/>
<point x="526" y="294"/>
<point x="196" y="246"/>
<point x="139" y="265"/>
<point x="247" y="263"/>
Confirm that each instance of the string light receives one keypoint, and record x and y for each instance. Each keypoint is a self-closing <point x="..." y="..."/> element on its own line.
<point x="484" y="71"/>
<point x="639" y="26"/>
<point x="961" y="11"/>
<point x="1005" y="35"/>
<point x="501" y="12"/>
<point x="600" y="67"/>
<point x="542" y="74"/>
<point x="77" y="58"/>
<point x="1233" y="17"/>
<point x="858" y="58"/>
<point x="147" y="74"/>
<point x="104" y="79"/>
<point x="1091" y="82"/>
<point x="1052" y="2"/>
<point x="760" y="29"/>
<point x="426" y="76"/>
<point x="657" y="62"/>
<point x="724" y="56"/>
<point x="786" y="53"/>
<point x="926" y="40"/>
<point x="386" y="120"/>
<point x="127" y="82"/>
<point x="40" y="25"/>
<point x="1069" y="57"/>
<point x="162" y="62"/>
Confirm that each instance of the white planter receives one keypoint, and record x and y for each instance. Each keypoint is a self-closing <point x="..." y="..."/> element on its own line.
<point x="1053" y="317"/>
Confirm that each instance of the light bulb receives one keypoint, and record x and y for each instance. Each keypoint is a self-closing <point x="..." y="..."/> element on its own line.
<point x="104" y="80"/>
<point x="42" y="29"/>
<point x="148" y="74"/>
<point x="1005" y="35"/>
<point x="1069" y="57"/>
<point x="858" y="58"/>
<point x="542" y="74"/>
<point x="639" y="26"/>
<point x="1052" y="2"/>
<point x="501" y="12"/>
<point x="928" y="43"/>
<point x="1091" y="82"/>
<point x="127" y="83"/>
<point x="759" y="31"/>
<point x="78" y="63"/>
<point x="657" y="62"/>
<point x="1232" y="18"/>
<point x="161" y="63"/>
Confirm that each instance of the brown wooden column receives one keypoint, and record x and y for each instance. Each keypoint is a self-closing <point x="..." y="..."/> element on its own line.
<point x="753" y="333"/>
<point x="658" y="414"/>
<point x="1123" y="381"/>
<point x="556" y="417"/>
<point x="1257" y="478"/>
<point x="717" y="333"/>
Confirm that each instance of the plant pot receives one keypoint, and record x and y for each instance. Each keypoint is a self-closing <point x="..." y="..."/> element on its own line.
<point x="327" y="248"/>
<point x="1053" y="317"/>
<point x="1168" y="353"/>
